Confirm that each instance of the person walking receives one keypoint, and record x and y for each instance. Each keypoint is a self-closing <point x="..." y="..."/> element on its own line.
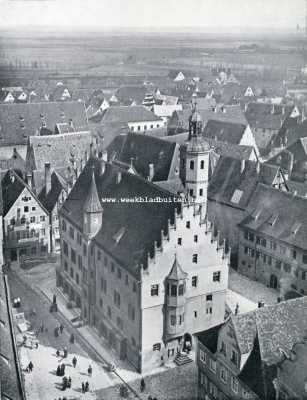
<point x="61" y="327"/>
<point x="83" y="387"/>
<point x="58" y="371"/>
<point x="65" y="352"/>
<point x="74" y="362"/>
<point x="142" y="385"/>
<point x="31" y="366"/>
<point x="87" y="386"/>
<point x="58" y="353"/>
<point x="90" y="370"/>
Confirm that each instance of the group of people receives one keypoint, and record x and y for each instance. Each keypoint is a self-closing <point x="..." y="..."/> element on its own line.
<point x="60" y="371"/>
<point x="66" y="383"/>
<point x="58" y="329"/>
<point x="85" y="387"/>
<point x="65" y="352"/>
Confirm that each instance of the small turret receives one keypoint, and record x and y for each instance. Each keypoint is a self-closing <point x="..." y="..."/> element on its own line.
<point x="92" y="211"/>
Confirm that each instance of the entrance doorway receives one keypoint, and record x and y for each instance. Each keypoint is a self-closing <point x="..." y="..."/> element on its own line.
<point x="13" y="255"/>
<point x="187" y="342"/>
<point x="273" y="281"/>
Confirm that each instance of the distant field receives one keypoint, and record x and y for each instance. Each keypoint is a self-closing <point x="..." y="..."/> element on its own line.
<point x="144" y="54"/>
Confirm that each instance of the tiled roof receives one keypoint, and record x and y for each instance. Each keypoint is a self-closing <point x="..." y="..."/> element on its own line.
<point x="10" y="379"/>
<point x="298" y="150"/>
<point x="108" y="131"/>
<point x="180" y="119"/>
<point x="19" y="121"/>
<point x="126" y="114"/>
<point x="144" y="150"/>
<point x="209" y="338"/>
<point x="142" y="223"/>
<point x="12" y="186"/>
<point x="231" y="175"/>
<point x="267" y="116"/>
<point x="14" y="162"/>
<point x="59" y="149"/>
<point x="272" y="220"/>
<point x="131" y="93"/>
<point x="224" y="131"/>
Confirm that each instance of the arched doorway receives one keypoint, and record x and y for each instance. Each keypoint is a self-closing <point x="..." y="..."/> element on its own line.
<point x="187" y="342"/>
<point x="273" y="281"/>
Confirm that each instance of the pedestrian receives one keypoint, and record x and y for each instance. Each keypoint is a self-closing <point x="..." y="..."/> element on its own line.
<point x="90" y="370"/>
<point x="58" y="371"/>
<point x="36" y="345"/>
<point x="65" y="352"/>
<point x="65" y="383"/>
<point x="74" y="362"/>
<point x="62" y="369"/>
<point x="30" y="366"/>
<point x="72" y="338"/>
<point x="58" y="353"/>
<point x="83" y="387"/>
<point x="61" y="327"/>
<point x="87" y="386"/>
<point x="237" y="309"/>
<point x="142" y="385"/>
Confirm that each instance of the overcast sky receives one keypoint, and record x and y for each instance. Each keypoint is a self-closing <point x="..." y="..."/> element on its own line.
<point x="205" y="14"/>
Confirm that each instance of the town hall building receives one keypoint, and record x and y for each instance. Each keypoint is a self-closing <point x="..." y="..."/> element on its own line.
<point x="133" y="253"/>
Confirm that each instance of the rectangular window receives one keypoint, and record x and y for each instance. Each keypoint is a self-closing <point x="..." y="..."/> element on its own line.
<point x="278" y="264"/>
<point x="173" y="290"/>
<point x="209" y="297"/>
<point x="217" y="276"/>
<point x="43" y="232"/>
<point x="212" y="365"/>
<point x="112" y="267"/>
<point x="192" y="164"/>
<point x="305" y="258"/>
<point x="234" y="357"/>
<point x="234" y="385"/>
<point x="195" y="238"/>
<point x="173" y="320"/>
<point x="294" y="254"/>
<point x="105" y="261"/>
<point x="98" y="255"/>
<point x="79" y="239"/>
<point x="188" y="225"/>
<point x="71" y="232"/>
<point x="73" y="256"/>
<point x="26" y="209"/>
<point x="156" y="347"/>
<point x="191" y="192"/>
<point x="77" y="279"/>
<point x="202" y="356"/>
<point x="80" y="263"/>
<point x="84" y="249"/>
<point x="116" y="299"/>
<point x="71" y="272"/>
<point x="33" y="208"/>
<point x="194" y="281"/>
<point x="303" y="275"/>
<point x="109" y="312"/>
<point x="223" y="348"/>
<point x="223" y="375"/>
<point x="65" y="248"/>
<point x="127" y="280"/>
<point x="134" y="286"/>
<point x="119" y="273"/>
<point x="32" y="219"/>
<point x="201" y="192"/>
<point x="202" y="164"/>
<point x="42" y="218"/>
<point x="154" y="291"/>
<point x="287" y="268"/>
<point x="194" y="258"/>
<point x="179" y="241"/>
<point x="195" y="314"/>
<point x="208" y="310"/>
<point x="181" y="289"/>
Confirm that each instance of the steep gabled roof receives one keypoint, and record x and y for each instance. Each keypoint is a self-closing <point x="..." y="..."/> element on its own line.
<point x="59" y="149"/>
<point x="224" y="131"/>
<point x="12" y="187"/>
<point x="19" y="121"/>
<point x="143" y="150"/>
<point x="243" y="176"/>
<point x="271" y="218"/>
<point x="126" y="114"/>
<point x="176" y="272"/>
<point x="143" y="224"/>
<point x="50" y="199"/>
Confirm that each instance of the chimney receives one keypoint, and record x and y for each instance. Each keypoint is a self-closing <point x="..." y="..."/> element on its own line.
<point x="151" y="172"/>
<point x="29" y="180"/>
<point x="47" y="177"/>
<point x="118" y="177"/>
<point x="102" y="162"/>
<point x="242" y="166"/>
